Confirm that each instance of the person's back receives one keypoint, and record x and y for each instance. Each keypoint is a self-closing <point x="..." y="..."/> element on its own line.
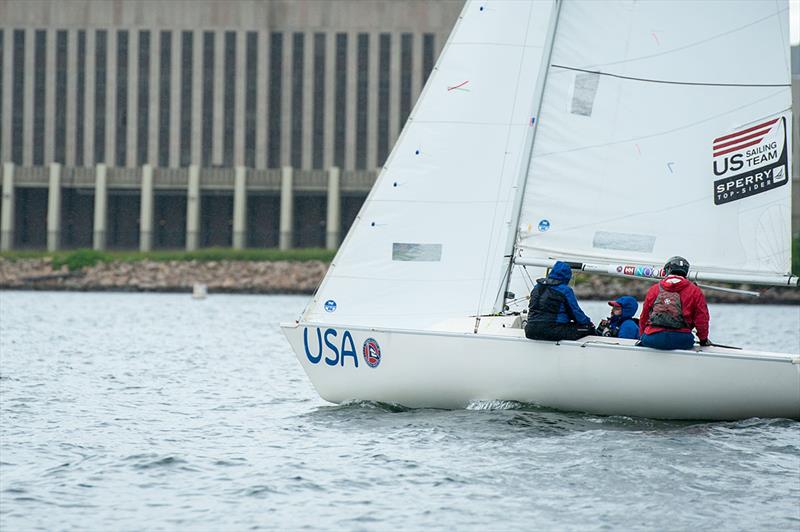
<point x="553" y="312"/>
<point x="673" y="307"/>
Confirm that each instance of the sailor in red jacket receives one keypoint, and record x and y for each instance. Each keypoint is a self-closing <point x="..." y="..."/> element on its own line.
<point x="673" y="307"/>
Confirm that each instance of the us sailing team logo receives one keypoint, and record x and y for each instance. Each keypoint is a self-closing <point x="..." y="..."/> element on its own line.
<point x="750" y="161"/>
<point x="372" y="352"/>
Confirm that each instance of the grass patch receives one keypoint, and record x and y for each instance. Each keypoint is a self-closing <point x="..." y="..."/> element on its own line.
<point x="81" y="258"/>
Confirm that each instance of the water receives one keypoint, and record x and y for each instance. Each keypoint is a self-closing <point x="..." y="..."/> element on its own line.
<point x="156" y="411"/>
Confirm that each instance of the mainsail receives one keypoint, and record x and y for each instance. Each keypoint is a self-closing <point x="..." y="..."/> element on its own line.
<point x="430" y="240"/>
<point x="618" y="132"/>
<point x="665" y="130"/>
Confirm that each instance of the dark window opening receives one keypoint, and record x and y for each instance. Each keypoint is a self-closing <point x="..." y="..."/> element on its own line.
<point x="427" y="56"/>
<point x="318" y="130"/>
<point x="406" y="47"/>
<point x="77" y="218"/>
<point x="60" y="132"/>
<point x="297" y="100"/>
<point x="362" y="88"/>
<point x="122" y="98"/>
<point x="208" y="96"/>
<point x="350" y="207"/>
<point x="123" y="219"/>
<point x="250" y="94"/>
<point x="229" y="97"/>
<point x="309" y="221"/>
<point x="80" y="99"/>
<point x="18" y="97"/>
<point x="275" y="95"/>
<point x="186" y="98"/>
<point x="2" y="43"/>
<point x="216" y="220"/>
<point x="340" y="101"/>
<point x="30" y="223"/>
<point x="101" y="49"/>
<point x="39" y="77"/>
<point x="384" y="49"/>
<point x="143" y="105"/>
<point x="164" y="91"/>
<point x="263" y="220"/>
<point x="169" y="219"/>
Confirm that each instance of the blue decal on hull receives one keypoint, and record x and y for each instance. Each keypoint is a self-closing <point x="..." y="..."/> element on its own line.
<point x="328" y="360"/>
<point x="334" y="354"/>
<point x="311" y="358"/>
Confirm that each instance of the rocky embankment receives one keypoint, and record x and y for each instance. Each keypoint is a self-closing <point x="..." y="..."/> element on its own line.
<point x="274" y="277"/>
<point x="269" y="277"/>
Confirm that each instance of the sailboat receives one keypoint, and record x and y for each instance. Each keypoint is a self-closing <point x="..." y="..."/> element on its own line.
<point x="608" y="134"/>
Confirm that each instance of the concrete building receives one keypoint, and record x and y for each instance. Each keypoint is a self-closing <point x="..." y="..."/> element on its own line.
<point x="192" y="123"/>
<point x="187" y="123"/>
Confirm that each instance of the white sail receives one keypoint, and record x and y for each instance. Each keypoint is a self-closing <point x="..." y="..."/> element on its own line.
<point x="429" y="241"/>
<point x="665" y="130"/>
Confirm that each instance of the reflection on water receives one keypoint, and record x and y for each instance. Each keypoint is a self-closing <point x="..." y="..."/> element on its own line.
<point x="155" y="411"/>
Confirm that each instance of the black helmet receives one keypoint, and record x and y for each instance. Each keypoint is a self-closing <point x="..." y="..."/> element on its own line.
<point x="677" y="266"/>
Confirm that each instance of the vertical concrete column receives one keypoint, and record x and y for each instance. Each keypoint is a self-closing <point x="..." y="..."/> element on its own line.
<point x="49" y="97"/>
<point x="262" y="95"/>
<point x="54" y="208"/>
<point x="351" y="96"/>
<point x="100" y="206"/>
<point x="153" y="125"/>
<point x="240" y="207"/>
<point x="334" y="209"/>
<point x="218" y="112"/>
<point x="287" y="204"/>
<point x="27" y="105"/>
<point x="7" y="219"/>
<point x="193" y="209"/>
<point x="239" y="96"/>
<point x="72" y="98"/>
<point x="373" y="84"/>
<point x="146" y="210"/>
<point x="198" y="41"/>
<point x="111" y="99"/>
<point x="306" y="138"/>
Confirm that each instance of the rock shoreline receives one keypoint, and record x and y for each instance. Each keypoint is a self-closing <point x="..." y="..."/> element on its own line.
<point x="274" y="277"/>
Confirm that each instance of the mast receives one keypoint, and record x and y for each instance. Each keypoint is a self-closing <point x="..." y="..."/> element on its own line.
<point x="522" y="179"/>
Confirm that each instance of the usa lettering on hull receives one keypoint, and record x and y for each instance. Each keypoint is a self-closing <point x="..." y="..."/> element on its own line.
<point x="331" y="348"/>
<point x="750" y="161"/>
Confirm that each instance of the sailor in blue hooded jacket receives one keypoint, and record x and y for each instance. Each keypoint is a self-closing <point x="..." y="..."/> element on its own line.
<point x="621" y="323"/>
<point x="553" y="312"/>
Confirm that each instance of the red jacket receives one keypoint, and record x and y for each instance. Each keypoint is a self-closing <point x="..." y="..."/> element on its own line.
<point x="693" y="303"/>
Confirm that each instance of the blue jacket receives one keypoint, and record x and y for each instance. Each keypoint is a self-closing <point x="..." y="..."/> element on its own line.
<point x="568" y="310"/>
<point x="623" y="325"/>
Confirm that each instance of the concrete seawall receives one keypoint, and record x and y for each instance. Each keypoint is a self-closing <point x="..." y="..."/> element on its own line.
<point x="273" y="277"/>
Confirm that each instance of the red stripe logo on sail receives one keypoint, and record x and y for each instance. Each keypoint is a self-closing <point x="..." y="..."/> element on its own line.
<point x="742" y="139"/>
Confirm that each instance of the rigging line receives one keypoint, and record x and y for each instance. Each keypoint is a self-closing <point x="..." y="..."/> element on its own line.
<point x="691" y="45"/>
<point x="671" y="82"/>
<point x="674" y="130"/>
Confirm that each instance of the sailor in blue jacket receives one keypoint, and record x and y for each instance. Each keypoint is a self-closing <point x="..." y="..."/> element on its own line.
<point x="553" y="312"/>
<point x="621" y="324"/>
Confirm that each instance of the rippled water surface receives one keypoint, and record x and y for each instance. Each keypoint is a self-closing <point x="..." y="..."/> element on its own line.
<point x="154" y="411"/>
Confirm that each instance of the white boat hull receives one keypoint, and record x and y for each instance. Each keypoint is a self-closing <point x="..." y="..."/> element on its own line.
<point x="443" y="369"/>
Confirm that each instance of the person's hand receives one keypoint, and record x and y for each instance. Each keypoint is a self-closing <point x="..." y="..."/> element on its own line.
<point x="706" y="342"/>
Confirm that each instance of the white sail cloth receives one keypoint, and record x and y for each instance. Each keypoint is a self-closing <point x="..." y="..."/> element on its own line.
<point x="429" y="241"/>
<point x="664" y="130"/>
